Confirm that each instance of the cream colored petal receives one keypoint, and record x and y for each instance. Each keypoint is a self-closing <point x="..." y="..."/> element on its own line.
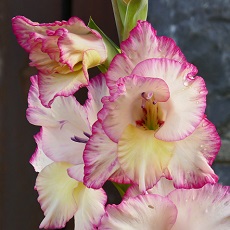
<point x="143" y="157"/>
<point x="55" y="189"/>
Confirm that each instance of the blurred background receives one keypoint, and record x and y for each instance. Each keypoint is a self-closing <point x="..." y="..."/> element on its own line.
<point x="200" y="27"/>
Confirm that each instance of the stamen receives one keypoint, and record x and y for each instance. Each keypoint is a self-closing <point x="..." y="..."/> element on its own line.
<point x="154" y="102"/>
<point x="147" y="96"/>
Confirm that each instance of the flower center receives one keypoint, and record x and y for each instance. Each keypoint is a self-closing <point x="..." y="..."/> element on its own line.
<point x="150" y="109"/>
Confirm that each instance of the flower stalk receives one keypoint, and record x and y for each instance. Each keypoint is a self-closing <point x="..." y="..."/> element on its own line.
<point x="127" y="13"/>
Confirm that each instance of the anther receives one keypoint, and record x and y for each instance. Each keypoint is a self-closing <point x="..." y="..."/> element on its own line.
<point x="147" y="96"/>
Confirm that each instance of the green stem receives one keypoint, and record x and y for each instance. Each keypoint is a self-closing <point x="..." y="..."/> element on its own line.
<point x="117" y="17"/>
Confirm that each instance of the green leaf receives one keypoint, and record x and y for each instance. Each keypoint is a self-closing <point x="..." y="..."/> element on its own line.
<point x="122" y="188"/>
<point x="112" y="48"/>
<point x="127" y="13"/>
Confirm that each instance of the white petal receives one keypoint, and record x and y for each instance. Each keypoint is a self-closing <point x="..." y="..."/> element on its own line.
<point x="55" y="189"/>
<point x="189" y="166"/>
<point x="66" y="140"/>
<point x="100" y="158"/>
<point x="51" y="86"/>
<point x="150" y="212"/>
<point x="205" y="208"/>
<point x="36" y="113"/>
<point x="73" y="46"/>
<point x="90" y="207"/>
<point x="76" y="172"/>
<point x="39" y="160"/>
<point x="163" y="188"/>
<point x="142" y="44"/>
<point x="97" y="89"/>
<point x="121" y="66"/>
<point x="59" y="145"/>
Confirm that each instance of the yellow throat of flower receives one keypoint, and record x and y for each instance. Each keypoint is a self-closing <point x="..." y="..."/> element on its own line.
<point x="151" y="112"/>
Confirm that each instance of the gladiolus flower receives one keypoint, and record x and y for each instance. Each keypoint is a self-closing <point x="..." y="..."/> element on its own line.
<point x="62" y="52"/>
<point x="155" y="115"/>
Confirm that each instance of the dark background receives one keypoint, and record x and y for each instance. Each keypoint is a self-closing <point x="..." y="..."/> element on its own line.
<point x="202" y="30"/>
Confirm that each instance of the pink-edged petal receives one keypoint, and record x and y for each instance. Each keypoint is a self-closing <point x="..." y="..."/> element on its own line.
<point x="39" y="160"/>
<point x="125" y="107"/>
<point x="51" y="86"/>
<point x="133" y="191"/>
<point x="91" y="205"/>
<point x="97" y="89"/>
<point x="120" y="177"/>
<point x="72" y="45"/>
<point x="22" y="28"/>
<point x="185" y="108"/>
<point x="28" y="32"/>
<point x="143" y="157"/>
<point x="205" y="208"/>
<point x="66" y="140"/>
<point x="120" y="66"/>
<point x="163" y="188"/>
<point x="61" y="144"/>
<point x="56" y="197"/>
<point x="142" y="44"/>
<point x="44" y="63"/>
<point x="69" y="110"/>
<point x="189" y="166"/>
<point x="76" y="172"/>
<point x="36" y="113"/>
<point x="142" y="212"/>
<point x="167" y="48"/>
<point x="100" y="158"/>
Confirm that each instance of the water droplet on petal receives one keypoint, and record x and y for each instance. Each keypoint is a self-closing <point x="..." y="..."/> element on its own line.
<point x="204" y="124"/>
<point x="202" y="92"/>
<point x="186" y="83"/>
<point x="191" y="77"/>
<point x="206" y="211"/>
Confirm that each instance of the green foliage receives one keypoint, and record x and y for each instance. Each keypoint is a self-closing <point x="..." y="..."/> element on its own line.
<point x="112" y="48"/>
<point x="127" y="13"/>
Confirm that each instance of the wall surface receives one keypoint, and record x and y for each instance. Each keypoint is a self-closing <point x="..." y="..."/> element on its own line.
<point x="202" y="30"/>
